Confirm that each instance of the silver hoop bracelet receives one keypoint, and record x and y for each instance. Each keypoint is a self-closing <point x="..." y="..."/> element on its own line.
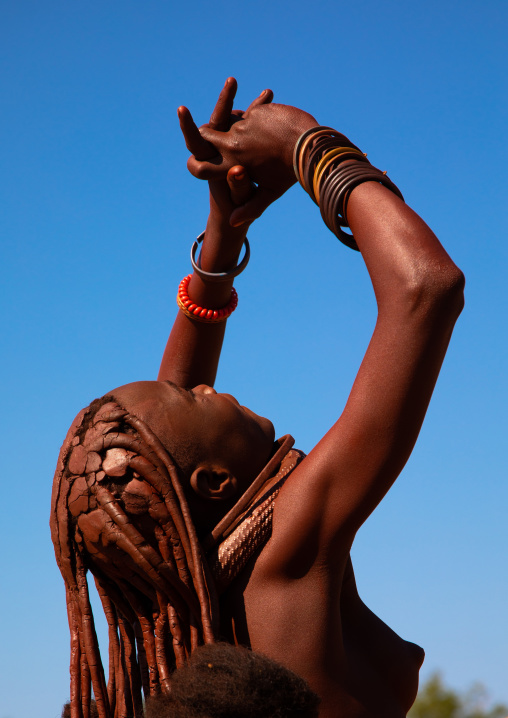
<point x="218" y="276"/>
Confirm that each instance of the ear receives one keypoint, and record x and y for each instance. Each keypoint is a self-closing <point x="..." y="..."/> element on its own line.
<point x="213" y="483"/>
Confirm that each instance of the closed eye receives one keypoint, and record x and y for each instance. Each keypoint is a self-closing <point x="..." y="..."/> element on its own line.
<point x="181" y="390"/>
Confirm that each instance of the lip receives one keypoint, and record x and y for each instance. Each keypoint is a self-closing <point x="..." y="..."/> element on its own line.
<point x="232" y="399"/>
<point x="253" y="414"/>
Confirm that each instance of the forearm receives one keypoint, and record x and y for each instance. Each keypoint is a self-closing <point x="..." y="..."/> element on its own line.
<point x="419" y="294"/>
<point x="404" y="258"/>
<point x="193" y="349"/>
<point x="419" y="291"/>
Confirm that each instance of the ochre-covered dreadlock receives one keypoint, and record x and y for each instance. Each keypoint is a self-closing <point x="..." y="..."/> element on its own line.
<point x="119" y="511"/>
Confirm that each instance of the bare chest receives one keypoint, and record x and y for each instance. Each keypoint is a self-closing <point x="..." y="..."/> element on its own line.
<point x="324" y="632"/>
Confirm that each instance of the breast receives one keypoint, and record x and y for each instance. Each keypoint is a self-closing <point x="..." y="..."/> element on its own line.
<point x="344" y="651"/>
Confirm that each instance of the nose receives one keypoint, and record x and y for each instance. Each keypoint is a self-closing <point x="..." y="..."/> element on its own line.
<point x="204" y="389"/>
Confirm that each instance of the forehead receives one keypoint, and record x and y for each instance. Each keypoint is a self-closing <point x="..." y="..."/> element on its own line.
<point x="154" y="402"/>
<point x="148" y="396"/>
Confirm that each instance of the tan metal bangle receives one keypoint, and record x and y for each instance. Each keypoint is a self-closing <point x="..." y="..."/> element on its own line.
<point x="323" y="164"/>
<point x="299" y="141"/>
<point x="304" y="147"/>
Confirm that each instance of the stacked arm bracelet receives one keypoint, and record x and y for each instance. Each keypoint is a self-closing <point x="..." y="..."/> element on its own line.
<point x="323" y="166"/>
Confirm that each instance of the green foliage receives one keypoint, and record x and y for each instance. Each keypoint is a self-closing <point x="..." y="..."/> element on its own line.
<point x="435" y="700"/>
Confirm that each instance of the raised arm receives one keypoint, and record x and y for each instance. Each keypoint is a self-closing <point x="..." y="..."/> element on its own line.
<point x="419" y="293"/>
<point x="193" y="349"/>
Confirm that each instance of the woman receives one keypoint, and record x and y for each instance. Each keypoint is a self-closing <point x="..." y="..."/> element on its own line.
<point x="157" y="475"/>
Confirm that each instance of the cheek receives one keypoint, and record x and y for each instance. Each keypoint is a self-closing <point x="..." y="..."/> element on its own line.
<point x="266" y="431"/>
<point x="262" y="436"/>
<point x="260" y="425"/>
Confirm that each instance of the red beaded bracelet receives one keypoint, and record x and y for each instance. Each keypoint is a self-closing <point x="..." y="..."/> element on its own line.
<point x="201" y="314"/>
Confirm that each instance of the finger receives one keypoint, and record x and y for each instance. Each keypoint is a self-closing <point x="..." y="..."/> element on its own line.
<point x="253" y="208"/>
<point x="219" y="119"/>
<point x="220" y="140"/>
<point x="207" y="170"/>
<point x="264" y="99"/>
<point x="236" y="116"/>
<point x="192" y="136"/>
<point x="240" y="185"/>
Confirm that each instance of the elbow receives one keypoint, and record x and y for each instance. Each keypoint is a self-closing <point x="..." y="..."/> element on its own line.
<point x="448" y="293"/>
<point x="438" y="291"/>
<point x="460" y="284"/>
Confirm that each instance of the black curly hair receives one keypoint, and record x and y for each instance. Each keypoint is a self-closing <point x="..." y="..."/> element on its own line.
<point x="224" y="681"/>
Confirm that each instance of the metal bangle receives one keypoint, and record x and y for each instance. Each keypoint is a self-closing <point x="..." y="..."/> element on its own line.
<point x="218" y="276"/>
<point x="334" y="157"/>
<point x="351" y="181"/>
<point x="312" y="150"/>
<point x="346" y="190"/>
<point x="299" y="142"/>
<point x="337" y="189"/>
<point x="311" y="158"/>
<point x="381" y="179"/>
<point x="332" y="187"/>
<point x="345" y="176"/>
<point x="318" y="138"/>
<point x="330" y="167"/>
<point x="331" y="199"/>
<point x="327" y="213"/>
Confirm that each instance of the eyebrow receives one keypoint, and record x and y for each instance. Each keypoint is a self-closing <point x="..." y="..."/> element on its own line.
<point x="180" y="389"/>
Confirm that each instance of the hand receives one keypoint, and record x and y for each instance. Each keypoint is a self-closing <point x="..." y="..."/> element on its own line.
<point x="225" y="196"/>
<point x="261" y="139"/>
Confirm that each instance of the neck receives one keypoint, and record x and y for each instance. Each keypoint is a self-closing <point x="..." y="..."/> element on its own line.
<point x="281" y="448"/>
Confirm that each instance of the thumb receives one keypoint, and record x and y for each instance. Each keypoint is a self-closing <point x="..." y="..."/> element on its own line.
<point x="193" y="140"/>
<point x="253" y="208"/>
<point x="240" y="185"/>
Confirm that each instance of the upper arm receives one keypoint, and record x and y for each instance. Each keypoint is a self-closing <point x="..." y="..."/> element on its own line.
<point x="349" y="471"/>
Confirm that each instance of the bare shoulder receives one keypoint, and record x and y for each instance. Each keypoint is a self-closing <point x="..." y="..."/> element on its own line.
<point x="308" y="513"/>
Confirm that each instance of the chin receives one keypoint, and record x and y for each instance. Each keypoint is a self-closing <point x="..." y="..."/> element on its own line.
<point x="267" y="427"/>
<point x="265" y="424"/>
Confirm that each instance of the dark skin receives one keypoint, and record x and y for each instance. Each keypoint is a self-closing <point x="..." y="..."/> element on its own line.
<point x="193" y="350"/>
<point x="297" y="601"/>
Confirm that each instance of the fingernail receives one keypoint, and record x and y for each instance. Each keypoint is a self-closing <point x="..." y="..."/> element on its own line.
<point x="239" y="177"/>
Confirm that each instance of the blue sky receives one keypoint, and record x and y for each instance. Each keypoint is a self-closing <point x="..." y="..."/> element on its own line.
<point x="96" y="222"/>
